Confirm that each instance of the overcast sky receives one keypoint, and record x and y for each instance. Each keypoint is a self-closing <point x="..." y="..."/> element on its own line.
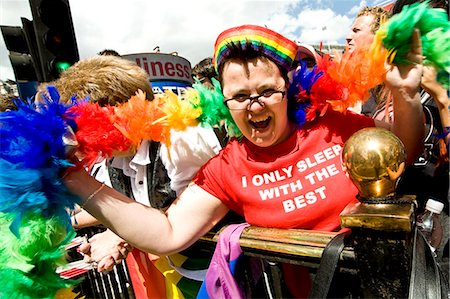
<point x="189" y="27"/>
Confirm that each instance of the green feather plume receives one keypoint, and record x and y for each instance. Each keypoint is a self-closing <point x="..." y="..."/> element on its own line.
<point x="28" y="264"/>
<point x="214" y="111"/>
<point x="435" y="35"/>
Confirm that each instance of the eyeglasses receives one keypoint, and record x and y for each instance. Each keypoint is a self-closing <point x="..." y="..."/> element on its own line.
<point x="268" y="97"/>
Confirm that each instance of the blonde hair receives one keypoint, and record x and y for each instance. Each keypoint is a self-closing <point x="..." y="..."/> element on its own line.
<point x="7" y="103"/>
<point x="104" y="79"/>
<point x="380" y="16"/>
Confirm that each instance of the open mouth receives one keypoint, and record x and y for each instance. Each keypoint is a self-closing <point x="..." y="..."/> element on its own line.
<point x="261" y="124"/>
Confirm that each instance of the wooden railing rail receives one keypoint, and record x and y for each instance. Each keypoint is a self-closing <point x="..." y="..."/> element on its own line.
<point x="294" y="246"/>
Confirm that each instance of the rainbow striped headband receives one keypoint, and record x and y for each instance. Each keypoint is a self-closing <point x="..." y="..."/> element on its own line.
<point x="275" y="46"/>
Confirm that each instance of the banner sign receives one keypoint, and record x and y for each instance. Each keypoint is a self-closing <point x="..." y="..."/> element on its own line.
<point x="177" y="88"/>
<point x="166" y="71"/>
<point x="164" y="67"/>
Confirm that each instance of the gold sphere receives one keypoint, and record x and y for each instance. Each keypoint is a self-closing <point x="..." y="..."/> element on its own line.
<point x="374" y="159"/>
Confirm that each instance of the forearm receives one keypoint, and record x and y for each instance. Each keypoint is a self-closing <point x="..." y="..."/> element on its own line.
<point x="408" y="122"/>
<point x="143" y="227"/>
<point x="403" y="80"/>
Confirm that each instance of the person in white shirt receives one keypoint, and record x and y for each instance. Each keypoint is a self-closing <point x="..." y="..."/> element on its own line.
<point x="154" y="174"/>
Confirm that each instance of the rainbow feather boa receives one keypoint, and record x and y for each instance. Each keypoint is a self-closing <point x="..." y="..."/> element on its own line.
<point x="34" y="222"/>
<point x="103" y="131"/>
<point x="33" y="200"/>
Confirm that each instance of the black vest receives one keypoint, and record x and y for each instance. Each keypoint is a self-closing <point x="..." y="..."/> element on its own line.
<point x="158" y="183"/>
<point x="160" y="194"/>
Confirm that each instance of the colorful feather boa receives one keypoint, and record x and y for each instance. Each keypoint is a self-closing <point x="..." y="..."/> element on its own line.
<point x="337" y="83"/>
<point x="34" y="222"/>
<point x="103" y="131"/>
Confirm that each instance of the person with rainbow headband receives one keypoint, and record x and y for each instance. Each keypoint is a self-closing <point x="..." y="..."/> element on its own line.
<point x="282" y="169"/>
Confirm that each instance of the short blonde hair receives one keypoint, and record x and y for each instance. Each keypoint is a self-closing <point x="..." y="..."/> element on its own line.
<point x="7" y="103"/>
<point x="105" y="79"/>
<point x="380" y="15"/>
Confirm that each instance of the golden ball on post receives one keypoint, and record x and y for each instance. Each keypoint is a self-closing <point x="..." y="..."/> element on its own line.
<point x="374" y="159"/>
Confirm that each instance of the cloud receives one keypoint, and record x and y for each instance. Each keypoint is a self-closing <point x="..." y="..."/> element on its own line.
<point x="188" y="27"/>
<point x="319" y="25"/>
<point x="355" y="9"/>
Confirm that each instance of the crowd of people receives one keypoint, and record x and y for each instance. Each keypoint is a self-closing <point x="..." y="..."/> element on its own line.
<point x="428" y="176"/>
<point x="157" y="201"/>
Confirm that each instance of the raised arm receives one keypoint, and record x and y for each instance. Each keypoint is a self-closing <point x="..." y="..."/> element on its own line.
<point x="404" y="82"/>
<point x="188" y="218"/>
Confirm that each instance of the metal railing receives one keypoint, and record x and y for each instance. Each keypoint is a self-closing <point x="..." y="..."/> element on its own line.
<point x="115" y="284"/>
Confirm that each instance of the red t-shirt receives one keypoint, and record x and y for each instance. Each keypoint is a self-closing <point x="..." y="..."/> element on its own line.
<point x="299" y="183"/>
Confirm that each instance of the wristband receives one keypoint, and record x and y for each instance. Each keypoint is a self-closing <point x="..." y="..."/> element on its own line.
<point x="93" y="194"/>
<point x="74" y="215"/>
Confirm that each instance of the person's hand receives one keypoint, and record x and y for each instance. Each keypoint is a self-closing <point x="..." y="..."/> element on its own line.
<point x="75" y="178"/>
<point x="85" y="249"/>
<point x="406" y="78"/>
<point x="431" y="85"/>
<point x="105" y="250"/>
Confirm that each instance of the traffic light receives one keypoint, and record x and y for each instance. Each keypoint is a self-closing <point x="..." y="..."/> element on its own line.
<point x="55" y="36"/>
<point x="19" y="53"/>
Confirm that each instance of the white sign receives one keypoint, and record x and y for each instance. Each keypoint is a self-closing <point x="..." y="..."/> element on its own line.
<point x="161" y="66"/>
